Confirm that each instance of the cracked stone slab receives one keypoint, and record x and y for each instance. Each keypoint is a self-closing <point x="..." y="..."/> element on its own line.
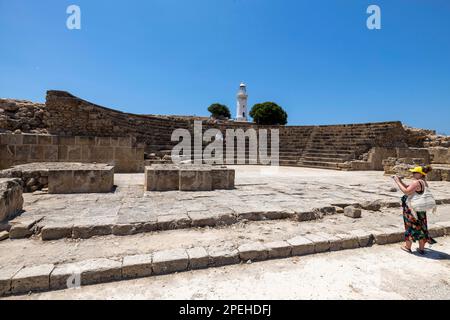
<point x="278" y="249"/>
<point x="222" y="256"/>
<point x="89" y="272"/>
<point x="35" y="278"/>
<point x="321" y="244"/>
<point x="88" y="230"/>
<point x="349" y="241"/>
<point x="301" y="246"/>
<point x="336" y="242"/>
<point x="198" y="258"/>
<point x="54" y="231"/>
<point x="169" y="261"/>
<point x="254" y="251"/>
<point x="387" y="235"/>
<point x="172" y="222"/>
<point x="6" y="274"/>
<point x="365" y="238"/>
<point x="23" y="228"/>
<point x="137" y="266"/>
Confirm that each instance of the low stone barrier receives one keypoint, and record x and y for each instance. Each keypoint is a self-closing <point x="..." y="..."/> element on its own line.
<point x="22" y="280"/>
<point x="170" y="177"/>
<point x="63" y="177"/>
<point x="11" y="199"/>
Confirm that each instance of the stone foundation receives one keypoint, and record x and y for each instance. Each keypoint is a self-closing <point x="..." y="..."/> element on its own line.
<point x="63" y="178"/>
<point x="11" y="200"/>
<point x="188" y="178"/>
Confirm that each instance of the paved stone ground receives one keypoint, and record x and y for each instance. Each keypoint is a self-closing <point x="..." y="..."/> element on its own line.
<point x="278" y="193"/>
<point x="380" y="272"/>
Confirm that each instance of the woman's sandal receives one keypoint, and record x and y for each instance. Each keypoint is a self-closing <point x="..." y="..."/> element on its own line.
<point x="406" y="249"/>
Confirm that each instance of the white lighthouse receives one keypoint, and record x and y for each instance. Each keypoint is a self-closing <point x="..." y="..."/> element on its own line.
<point x="242" y="97"/>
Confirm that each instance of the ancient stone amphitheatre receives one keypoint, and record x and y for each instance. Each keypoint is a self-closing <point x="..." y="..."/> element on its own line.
<point x="90" y="195"/>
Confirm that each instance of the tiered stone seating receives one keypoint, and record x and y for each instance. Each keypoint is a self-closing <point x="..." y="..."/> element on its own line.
<point x="331" y="146"/>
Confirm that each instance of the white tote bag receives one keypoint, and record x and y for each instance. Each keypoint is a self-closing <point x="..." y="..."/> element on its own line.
<point x="422" y="202"/>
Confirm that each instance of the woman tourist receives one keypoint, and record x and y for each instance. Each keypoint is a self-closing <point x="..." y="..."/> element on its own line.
<point x="416" y="227"/>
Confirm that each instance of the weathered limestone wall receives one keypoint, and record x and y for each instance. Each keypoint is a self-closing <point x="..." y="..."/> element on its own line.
<point x="440" y="155"/>
<point x="122" y="152"/>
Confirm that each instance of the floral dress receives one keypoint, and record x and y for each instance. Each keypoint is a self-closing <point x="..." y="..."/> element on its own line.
<point x="415" y="229"/>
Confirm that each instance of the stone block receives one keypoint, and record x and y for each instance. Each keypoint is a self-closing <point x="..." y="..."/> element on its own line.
<point x="89" y="272"/>
<point x="254" y="251"/>
<point x="320" y="244"/>
<point x="198" y="258"/>
<point x="22" y="152"/>
<point x="4" y="235"/>
<point x="81" y="178"/>
<point x="74" y="153"/>
<point x="60" y="181"/>
<point x="137" y="266"/>
<point x="173" y="221"/>
<point x="51" y="153"/>
<point x="53" y="231"/>
<point x="365" y="238"/>
<point x="279" y="249"/>
<point x="86" y="231"/>
<point x="222" y="178"/>
<point x="352" y="212"/>
<point x="169" y="261"/>
<point x="29" y="139"/>
<point x="6" y="274"/>
<point x="387" y="235"/>
<point x="336" y="242"/>
<point x="195" y="179"/>
<point x="371" y="205"/>
<point x="301" y="246"/>
<point x="35" y="278"/>
<point x="85" y="141"/>
<point x="161" y="178"/>
<point x="202" y="219"/>
<point x="436" y="230"/>
<point x="103" y="141"/>
<point x="45" y="140"/>
<point x="446" y="226"/>
<point x="11" y="198"/>
<point x="22" y="229"/>
<point x="222" y="256"/>
<point x="349" y="241"/>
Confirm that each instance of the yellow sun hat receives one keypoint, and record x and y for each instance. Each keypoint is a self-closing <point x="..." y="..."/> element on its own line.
<point x="418" y="170"/>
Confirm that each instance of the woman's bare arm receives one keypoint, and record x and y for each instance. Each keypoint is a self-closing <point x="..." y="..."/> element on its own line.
<point x="408" y="190"/>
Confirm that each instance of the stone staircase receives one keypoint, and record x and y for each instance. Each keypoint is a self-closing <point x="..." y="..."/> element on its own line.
<point x="330" y="147"/>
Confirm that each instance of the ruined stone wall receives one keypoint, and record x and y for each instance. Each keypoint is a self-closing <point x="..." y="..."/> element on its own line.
<point x="69" y="119"/>
<point x="122" y="152"/>
<point x="22" y="116"/>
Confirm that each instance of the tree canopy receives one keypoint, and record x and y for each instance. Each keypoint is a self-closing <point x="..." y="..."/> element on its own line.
<point x="269" y="113"/>
<point x="219" y="111"/>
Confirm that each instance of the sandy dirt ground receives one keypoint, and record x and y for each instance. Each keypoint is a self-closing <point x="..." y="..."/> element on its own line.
<point x="379" y="272"/>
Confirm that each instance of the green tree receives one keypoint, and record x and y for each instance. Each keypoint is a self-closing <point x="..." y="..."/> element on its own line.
<point x="268" y="113"/>
<point x="219" y="111"/>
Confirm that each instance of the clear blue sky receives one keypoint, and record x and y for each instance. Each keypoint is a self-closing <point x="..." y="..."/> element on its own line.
<point x="317" y="58"/>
